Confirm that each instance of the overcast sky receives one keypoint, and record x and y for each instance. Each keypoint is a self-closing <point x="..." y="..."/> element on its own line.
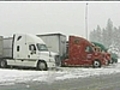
<point x="66" y="17"/>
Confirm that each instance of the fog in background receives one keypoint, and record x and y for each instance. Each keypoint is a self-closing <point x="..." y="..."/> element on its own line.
<point x="66" y="17"/>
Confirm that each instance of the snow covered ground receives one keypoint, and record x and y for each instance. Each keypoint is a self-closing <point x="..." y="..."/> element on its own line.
<point x="12" y="76"/>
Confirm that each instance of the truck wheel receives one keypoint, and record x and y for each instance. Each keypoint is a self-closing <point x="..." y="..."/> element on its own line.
<point x="3" y="63"/>
<point x="96" y="64"/>
<point x="112" y="61"/>
<point x="42" y="66"/>
<point x="116" y="60"/>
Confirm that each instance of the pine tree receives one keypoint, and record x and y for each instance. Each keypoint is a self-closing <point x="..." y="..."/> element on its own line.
<point x="109" y="34"/>
<point x="117" y="38"/>
<point x="93" y="36"/>
<point x="104" y="38"/>
<point x="99" y="34"/>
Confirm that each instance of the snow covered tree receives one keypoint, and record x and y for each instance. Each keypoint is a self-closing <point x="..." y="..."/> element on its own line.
<point x="117" y="37"/>
<point x="104" y="37"/>
<point x="99" y="34"/>
<point x="92" y="35"/>
<point x="109" y="34"/>
<point x="96" y="35"/>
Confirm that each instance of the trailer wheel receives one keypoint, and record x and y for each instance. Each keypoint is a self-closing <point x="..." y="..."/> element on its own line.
<point x="41" y="65"/>
<point x="3" y="63"/>
<point x="96" y="64"/>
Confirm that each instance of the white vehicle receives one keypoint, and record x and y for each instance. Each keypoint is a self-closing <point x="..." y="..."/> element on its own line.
<point x="25" y="50"/>
<point x="56" y="42"/>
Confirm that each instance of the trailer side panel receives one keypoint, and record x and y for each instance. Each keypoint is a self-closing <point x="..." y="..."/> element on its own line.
<point x="55" y="42"/>
<point x="7" y="47"/>
<point x="1" y="46"/>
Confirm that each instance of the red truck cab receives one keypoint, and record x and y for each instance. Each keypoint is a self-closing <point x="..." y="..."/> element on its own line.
<point x="107" y="56"/>
<point x="100" y="48"/>
<point x="80" y="52"/>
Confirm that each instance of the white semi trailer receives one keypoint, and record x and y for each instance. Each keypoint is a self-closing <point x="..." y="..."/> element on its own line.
<point x="56" y="42"/>
<point x="25" y="50"/>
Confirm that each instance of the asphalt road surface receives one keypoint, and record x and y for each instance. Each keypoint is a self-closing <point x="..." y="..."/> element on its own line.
<point x="104" y="82"/>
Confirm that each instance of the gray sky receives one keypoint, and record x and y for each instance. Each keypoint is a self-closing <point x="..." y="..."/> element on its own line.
<point x="66" y="17"/>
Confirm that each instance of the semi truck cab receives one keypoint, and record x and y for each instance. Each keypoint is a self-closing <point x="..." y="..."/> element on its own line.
<point x="82" y="53"/>
<point x="26" y="50"/>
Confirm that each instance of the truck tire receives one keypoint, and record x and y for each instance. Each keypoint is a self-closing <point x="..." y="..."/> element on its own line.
<point x="41" y="65"/>
<point x="112" y="61"/>
<point x="96" y="64"/>
<point x="116" y="60"/>
<point x="3" y="63"/>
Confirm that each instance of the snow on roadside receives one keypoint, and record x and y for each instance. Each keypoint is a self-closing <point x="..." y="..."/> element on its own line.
<point x="11" y="76"/>
<point x="18" y="76"/>
<point x="118" y="60"/>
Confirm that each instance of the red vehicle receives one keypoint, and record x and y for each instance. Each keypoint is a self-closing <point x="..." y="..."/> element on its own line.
<point x="103" y="50"/>
<point x="107" y="57"/>
<point x="80" y="52"/>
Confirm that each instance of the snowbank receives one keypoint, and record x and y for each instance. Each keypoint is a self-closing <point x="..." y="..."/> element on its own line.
<point x="118" y="60"/>
<point x="8" y="76"/>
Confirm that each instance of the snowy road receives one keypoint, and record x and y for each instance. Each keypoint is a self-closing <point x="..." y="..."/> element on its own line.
<point x="14" y="76"/>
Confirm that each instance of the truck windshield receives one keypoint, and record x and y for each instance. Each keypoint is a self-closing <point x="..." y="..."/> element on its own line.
<point x="42" y="47"/>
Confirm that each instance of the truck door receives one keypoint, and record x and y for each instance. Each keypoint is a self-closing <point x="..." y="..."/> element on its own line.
<point x="88" y="51"/>
<point x="31" y="55"/>
<point x="32" y="51"/>
<point x="87" y="55"/>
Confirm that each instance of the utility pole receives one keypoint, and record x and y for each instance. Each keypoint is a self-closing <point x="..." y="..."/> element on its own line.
<point x="86" y="20"/>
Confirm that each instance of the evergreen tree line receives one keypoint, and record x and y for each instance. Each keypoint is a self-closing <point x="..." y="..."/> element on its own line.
<point x="109" y="36"/>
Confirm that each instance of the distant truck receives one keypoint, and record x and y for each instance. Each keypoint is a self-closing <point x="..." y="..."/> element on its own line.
<point x="56" y="42"/>
<point x="25" y="50"/>
<point x="112" y="57"/>
<point x="81" y="52"/>
<point x="103" y="50"/>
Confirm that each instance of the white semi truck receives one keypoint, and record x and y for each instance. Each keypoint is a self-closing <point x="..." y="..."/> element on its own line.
<point x="25" y="50"/>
